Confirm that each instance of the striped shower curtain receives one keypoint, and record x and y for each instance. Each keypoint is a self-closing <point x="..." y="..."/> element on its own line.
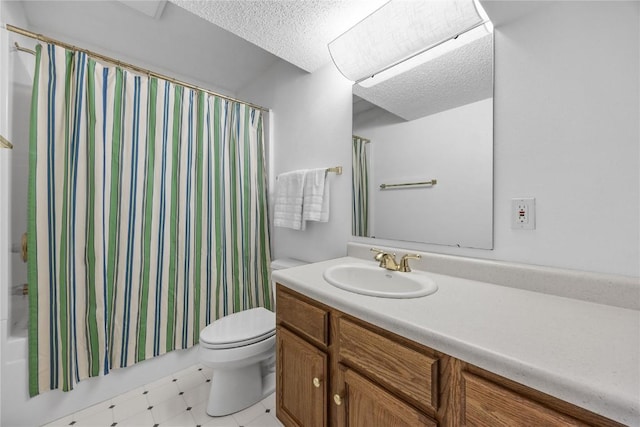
<point x="147" y="217"/>
<point x="360" y="183"/>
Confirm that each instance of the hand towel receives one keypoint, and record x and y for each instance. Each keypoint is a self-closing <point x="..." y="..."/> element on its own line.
<point x="287" y="210"/>
<point x="315" y="205"/>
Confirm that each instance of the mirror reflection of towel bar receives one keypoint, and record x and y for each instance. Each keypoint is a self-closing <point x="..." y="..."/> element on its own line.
<point x="408" y="184"/>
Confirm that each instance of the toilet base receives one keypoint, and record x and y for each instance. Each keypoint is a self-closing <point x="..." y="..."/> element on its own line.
<point x="233" y="390"/>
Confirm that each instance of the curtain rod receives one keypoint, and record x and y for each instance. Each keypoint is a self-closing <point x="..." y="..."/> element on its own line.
<point x="119" y="63"/>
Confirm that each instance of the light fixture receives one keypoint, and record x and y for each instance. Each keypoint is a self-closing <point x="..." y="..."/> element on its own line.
<point x="403" y="34"/>
<point x="428" y="55"/>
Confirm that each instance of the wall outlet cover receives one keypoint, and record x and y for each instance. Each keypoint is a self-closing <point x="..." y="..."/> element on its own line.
<point x="523" y="214"/>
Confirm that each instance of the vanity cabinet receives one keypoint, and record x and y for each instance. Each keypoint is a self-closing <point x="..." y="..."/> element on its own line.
<point x="409" y="373"/>
<point x="490" y="400"/>
<point x="302" y="361"/>
<point x="302" y="370"/>
<point x="487" y="403"/>
<point x="336" y="370"/>
<point x="371" y="405"/>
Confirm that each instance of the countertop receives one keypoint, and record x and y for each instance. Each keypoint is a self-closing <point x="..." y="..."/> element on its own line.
<point x="583" y="352"/>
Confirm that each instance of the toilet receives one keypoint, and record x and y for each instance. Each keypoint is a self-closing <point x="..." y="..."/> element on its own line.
<point x="240" y="348"/>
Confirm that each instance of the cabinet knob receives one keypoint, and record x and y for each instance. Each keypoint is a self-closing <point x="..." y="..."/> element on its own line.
<point x="316" y="382"/>
<point x="337" y="399"/>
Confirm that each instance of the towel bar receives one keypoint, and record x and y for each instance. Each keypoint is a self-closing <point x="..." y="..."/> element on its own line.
<point x="408" y="184"/>
<point x="336" y="169"/>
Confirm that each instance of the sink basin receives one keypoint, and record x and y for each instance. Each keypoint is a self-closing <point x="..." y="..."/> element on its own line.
<point x="378" y="282"/>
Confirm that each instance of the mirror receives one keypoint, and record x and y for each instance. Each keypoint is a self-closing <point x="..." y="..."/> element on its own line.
<point x="423" y="152"/>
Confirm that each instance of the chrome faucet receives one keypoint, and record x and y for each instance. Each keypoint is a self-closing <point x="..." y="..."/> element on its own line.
<point x="388" y="260"/>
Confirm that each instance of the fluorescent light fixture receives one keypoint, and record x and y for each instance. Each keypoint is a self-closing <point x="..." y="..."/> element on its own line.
<point x="428" y="55"/>
<point x="400" y="31"/>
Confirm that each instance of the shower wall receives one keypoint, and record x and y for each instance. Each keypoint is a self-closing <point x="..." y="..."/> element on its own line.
<point x="20" y="81"/>
<point x="6" y="156"/>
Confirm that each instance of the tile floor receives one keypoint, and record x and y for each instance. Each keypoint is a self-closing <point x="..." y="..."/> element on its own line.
<point x="179" y="399"/>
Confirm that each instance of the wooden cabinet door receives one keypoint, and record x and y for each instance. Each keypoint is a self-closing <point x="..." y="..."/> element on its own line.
<point x="366" y="405"/>
<point x="301" y="389"/>
<point x="489" y="404"/>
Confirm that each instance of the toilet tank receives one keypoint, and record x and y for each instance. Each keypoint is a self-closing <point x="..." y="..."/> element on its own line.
<point x="282" y="263"/>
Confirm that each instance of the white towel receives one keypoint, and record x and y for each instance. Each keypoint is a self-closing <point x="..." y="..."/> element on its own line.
<point x="316" y="196"/>
<point x="287" y="210"/>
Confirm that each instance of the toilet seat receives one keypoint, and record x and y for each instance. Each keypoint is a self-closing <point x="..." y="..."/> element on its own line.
<point x="239" y="329"/>
<point x="240" y="348"/>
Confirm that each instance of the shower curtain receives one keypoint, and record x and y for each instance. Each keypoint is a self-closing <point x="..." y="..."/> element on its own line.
<point x="360" y="183"/>
<point x="147" y="217"/>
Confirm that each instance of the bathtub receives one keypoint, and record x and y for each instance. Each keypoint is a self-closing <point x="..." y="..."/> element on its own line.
<point x="18" y="316"/>
<point x="18" y="409"/>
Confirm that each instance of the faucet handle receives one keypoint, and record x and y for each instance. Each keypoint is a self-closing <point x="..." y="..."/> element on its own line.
<point x="387" y="260"/>
<point x="379" y="253"/>
<point x="404" y="262"/>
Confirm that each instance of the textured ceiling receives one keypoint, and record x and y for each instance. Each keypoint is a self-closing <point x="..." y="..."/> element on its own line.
<point x="451" y="80"/>
<point x="177" y="43"/>
<point x="237" y="40"/>
<point x="299" y="31"/>
<point x="296" y="31"/>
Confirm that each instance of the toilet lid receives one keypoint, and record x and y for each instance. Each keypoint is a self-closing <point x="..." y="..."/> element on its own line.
<point x="239" y="329"/>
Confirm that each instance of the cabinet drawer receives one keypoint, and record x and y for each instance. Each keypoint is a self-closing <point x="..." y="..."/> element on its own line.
<point x="487" y="403"/>
<point x="303" y="317"/>
<point x="403" y="370"/>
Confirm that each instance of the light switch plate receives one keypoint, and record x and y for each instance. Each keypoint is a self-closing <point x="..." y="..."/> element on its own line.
<point x="523" y="214"/>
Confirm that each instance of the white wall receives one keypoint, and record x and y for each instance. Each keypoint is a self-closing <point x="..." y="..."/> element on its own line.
<point x="566" y="132"/>
<point x="310" y="127"/>
<point x="453" y="146"/>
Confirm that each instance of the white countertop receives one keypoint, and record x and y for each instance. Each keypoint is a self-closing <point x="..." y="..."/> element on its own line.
<point x="582" y="352"/>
